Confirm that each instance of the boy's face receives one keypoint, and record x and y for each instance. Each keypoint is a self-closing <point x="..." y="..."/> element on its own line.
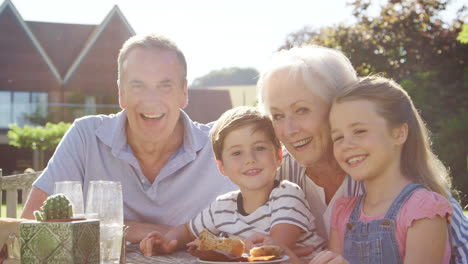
<point x="249" y="159"/>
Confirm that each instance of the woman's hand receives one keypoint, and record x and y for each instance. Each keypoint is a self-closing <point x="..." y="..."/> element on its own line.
<point x="328" y="257"/>
<point x="158" y="243"/>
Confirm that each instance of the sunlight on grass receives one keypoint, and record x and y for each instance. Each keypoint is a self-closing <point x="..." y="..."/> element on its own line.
<point x="19" y="209"/>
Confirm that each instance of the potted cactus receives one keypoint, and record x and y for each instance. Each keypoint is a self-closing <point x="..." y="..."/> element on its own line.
<point x="56" y="237"/>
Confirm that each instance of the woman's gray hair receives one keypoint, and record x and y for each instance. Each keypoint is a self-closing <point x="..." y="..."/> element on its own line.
<point x="324" y="71"/>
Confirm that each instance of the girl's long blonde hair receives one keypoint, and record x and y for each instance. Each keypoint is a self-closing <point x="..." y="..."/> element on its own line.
<point x="418" y="162"/>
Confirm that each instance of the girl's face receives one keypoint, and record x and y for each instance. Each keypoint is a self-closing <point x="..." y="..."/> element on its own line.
<point x="300" y="118"/>
<point x="363" y="144"/>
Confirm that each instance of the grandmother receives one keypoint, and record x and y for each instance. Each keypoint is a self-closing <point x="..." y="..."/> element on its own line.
<point x="296" y="90"/>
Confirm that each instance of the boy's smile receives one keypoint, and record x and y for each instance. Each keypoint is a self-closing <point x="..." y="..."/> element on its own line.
<point x="249" y="159"/>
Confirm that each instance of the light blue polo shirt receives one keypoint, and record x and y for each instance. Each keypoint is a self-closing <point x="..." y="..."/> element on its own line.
<point x="95" y="148"/>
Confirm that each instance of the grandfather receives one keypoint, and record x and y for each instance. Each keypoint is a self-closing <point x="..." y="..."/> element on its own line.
<point x="162" y="158"/>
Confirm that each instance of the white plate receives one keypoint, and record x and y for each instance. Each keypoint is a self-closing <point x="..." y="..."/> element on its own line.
<point x="284" y="258"/>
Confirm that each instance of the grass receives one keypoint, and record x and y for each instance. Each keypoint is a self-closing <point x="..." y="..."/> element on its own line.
<point x="19" y="209"/>
<point x="466" y="213"/>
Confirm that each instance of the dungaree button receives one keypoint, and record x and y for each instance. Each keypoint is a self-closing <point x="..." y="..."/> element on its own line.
<point x="386" y="222"/>
<point x="349" y="226"/>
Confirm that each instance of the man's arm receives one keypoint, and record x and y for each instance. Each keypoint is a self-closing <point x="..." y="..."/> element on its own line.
<point x="34" y="202"/>
<point x="137" y="230"/>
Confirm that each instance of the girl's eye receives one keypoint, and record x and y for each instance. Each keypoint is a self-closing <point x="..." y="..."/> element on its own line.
<point x="236" y="153"/>
<point x="337" y="138"/>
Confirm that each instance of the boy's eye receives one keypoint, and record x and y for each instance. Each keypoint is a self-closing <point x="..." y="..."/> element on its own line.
<point x="260" y="148"/>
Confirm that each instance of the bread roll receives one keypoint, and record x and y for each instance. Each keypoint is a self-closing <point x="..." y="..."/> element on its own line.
<point x="209" y="241"/>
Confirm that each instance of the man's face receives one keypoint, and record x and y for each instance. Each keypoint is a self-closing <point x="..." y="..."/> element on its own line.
<point x="152" y="90"/>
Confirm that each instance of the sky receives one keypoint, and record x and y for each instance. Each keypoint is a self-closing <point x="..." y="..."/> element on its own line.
<point x="213" y="34"/>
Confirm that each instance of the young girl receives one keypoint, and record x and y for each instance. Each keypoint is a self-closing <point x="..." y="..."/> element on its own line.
<point x="380" y="139"/>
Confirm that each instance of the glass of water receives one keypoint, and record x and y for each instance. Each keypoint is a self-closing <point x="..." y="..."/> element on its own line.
<point x="74" y="192"/>
<point x="104" y="202"/>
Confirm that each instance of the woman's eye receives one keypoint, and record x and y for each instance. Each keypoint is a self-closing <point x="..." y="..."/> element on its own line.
<point x="360" y="131"/>
<point x="302" y="110"/>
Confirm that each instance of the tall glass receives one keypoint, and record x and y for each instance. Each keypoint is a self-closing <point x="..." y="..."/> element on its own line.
<point x="74" y="192"/>
<point x="104" y="202"/>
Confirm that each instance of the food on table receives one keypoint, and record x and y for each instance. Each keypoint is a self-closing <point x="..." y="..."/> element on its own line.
<point x="213" y="248"/>
<point x="268" y="250"/>
<point x="209" y="241"/>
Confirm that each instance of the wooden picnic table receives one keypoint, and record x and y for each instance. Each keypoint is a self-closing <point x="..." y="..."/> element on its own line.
<point x="134" y="256"/>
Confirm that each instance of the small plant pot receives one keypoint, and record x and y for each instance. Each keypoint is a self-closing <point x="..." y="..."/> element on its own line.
<point x="74" y="241"/>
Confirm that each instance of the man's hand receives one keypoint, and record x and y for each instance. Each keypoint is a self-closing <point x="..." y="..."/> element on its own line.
<point x="137" y="230"/>
<point x="155" y="242"/>
<point x="328" y="257"/>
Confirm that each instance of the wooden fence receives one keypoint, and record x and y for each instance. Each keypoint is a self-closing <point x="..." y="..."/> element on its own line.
<point x="12" y="184"/>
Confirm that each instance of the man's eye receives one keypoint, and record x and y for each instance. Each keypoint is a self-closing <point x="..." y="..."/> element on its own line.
<point x="277" y="117"/>
<point x="360" y="131"/>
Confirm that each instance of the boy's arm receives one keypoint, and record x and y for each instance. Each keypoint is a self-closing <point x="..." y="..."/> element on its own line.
<point x="425" y="241"/>
<point x="286" y="236"/>
<point x="177" y="238"/>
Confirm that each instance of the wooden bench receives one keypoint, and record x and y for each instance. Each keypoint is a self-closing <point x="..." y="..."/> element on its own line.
<point x="12" y="184"/>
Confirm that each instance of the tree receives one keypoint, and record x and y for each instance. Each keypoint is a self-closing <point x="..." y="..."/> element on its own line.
<point x="37" y="138"/>
<point x="409" y="42"/>
<point x="227" y="76"/>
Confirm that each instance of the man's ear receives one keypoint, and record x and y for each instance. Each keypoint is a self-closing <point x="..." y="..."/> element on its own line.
<point x="121" y="95"/>
<point x="184" y="102"/>
<point x="400" y="133"/>
<point x="279" y="157"/>
<point x="220" y="166"/>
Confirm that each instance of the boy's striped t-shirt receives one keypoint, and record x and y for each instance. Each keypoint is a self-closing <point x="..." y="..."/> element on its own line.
<point x="286" y="204"/>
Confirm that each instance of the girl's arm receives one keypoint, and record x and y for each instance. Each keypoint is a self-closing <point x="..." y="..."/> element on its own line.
<point x="426" y="240"/>
<point x="334" y="243"/>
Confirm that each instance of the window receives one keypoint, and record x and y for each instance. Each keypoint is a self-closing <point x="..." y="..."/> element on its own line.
<point x="22" y="107"/>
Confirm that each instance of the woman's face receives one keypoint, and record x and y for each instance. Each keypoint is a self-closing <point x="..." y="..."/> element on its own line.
<point x="300" y="118"/>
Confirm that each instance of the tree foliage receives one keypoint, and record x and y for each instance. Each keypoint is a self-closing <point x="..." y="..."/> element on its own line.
<point x="37" y="137"/>
<point x="227" y="76"/>
<point x="409" y="42"/>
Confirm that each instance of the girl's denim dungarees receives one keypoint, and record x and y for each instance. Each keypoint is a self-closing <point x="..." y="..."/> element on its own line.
<point x="375" y="242"/>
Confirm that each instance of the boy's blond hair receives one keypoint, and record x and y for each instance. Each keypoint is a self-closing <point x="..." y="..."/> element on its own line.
<point x="239" y="117"/>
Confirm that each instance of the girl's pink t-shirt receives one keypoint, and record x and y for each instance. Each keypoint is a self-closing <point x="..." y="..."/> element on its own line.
<point x="422" y="204"/>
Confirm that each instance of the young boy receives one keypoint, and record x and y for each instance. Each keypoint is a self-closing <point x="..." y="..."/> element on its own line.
<point x="247" y="151"/>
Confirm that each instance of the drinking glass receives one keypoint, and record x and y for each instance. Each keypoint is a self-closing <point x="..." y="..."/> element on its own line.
<point x="104" y="202"/>
<point x="72" y="189"/>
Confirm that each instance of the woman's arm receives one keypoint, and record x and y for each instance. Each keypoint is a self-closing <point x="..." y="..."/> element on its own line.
<point x="426" y="240"/>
